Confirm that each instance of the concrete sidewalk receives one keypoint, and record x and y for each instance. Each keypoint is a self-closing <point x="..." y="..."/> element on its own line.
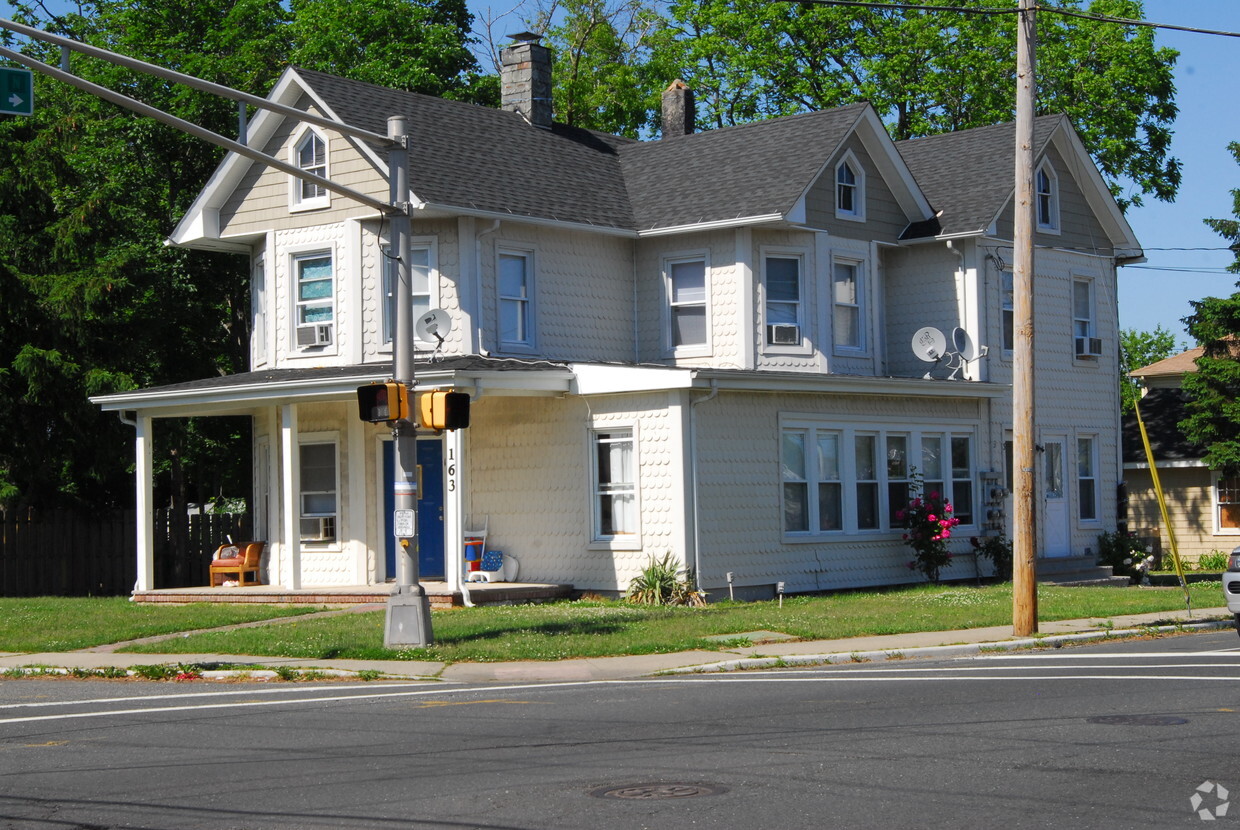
<point x="762" y="655"/>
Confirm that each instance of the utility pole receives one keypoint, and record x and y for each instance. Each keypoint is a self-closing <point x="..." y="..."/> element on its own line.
<point x="408" y="618"/>
<point x="1024" y="507"/>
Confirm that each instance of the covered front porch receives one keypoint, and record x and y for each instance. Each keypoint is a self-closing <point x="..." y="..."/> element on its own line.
<point x="323" y="516"/>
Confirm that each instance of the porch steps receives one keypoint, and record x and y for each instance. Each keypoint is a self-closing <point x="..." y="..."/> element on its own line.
<point x="499" y="593"/>
<point x="1077" y="570"/>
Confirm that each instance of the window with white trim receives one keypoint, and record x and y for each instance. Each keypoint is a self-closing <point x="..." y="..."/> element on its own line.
<point x="1008" y="308"/>
<point x="782" y="279"/>
<point x="516" y="307"/>
<point x="1227" y="504"/>
<point x="832" y="480"/>
<point x="319" y="485"/>
<point x="849" y="189"/>
<point x="1046" y="183"/>
<point x="258" y="309"/>
<point x="615" y="484"/>
<point x="310" y="155"/>
<point x="1083" y="308"/>
<point x="315" y="299"/>
<point x="1087" y="479"/>
<point x="687" y="303"/>
<point x="420" y="281"/>
<point x="848" y="329"/>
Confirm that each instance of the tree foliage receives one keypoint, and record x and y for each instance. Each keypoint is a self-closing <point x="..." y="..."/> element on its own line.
<point x="94" y="301"/>
<point x="926" y="72"/>
<point x="1137" y="349"/>
<point x="1214" y="389"/>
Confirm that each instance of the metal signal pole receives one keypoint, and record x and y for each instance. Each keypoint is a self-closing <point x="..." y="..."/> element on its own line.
<point x="1024" y="508"/>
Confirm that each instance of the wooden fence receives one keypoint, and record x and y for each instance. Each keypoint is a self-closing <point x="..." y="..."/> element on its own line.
<point x="70" y="553"/>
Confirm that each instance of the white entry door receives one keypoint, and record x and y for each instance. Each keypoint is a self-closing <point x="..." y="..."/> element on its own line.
<point x="1055" y="537"/>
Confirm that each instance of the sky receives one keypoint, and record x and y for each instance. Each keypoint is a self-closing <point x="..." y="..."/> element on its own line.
<point x="1158" y="292"/>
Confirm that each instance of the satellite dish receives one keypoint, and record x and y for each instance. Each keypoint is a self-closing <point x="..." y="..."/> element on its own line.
<point x="929" y="344"/>
<point x="964" y="344"/>
<point x="433" y="325"/>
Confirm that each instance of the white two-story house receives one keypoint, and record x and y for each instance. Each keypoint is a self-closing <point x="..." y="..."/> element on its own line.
<point x="699" y="345"/>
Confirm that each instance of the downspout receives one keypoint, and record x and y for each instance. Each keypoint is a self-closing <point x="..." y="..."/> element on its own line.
<point x="693" y="479"/>
<point x="478" y="282"/>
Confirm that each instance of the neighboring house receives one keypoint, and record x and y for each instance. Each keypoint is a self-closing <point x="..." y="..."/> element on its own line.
<point x="1204" y="506"/>
<point x="698" y="345"/>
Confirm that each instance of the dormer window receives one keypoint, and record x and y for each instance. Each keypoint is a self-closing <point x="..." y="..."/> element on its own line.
<point x="310" y="155"/>
<point x="849" y="189"/>
<point x="1047" y="186"/>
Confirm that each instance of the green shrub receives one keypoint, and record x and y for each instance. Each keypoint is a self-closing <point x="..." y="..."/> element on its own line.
<point x="661" y="583"/>
<point x="1122" y="551"/>
<point x="1215" y="560"/>
<point x="998" y="549"/>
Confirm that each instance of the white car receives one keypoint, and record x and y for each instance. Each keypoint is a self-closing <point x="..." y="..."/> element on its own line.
<point x="1231" y="585"/>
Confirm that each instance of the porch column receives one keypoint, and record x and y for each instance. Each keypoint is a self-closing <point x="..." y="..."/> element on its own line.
<point x="453" y="507"/>
<point x="354" y="512"/>
<point x="144" y="479"/>
<point x="275" y="495"/>
<point x="289" y="494"/>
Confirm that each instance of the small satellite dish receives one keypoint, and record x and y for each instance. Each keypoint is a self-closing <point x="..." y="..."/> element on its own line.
<point x="434" y="325"/>
<point x="964" y="344"/>
<point x="929" y="344"/>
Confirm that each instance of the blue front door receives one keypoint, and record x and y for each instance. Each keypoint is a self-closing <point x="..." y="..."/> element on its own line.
<point x="430" y="510"/>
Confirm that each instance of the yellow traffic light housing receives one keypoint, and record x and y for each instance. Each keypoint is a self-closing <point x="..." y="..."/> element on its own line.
<point x="442" y="409"/>
<point x="381" y="402"/>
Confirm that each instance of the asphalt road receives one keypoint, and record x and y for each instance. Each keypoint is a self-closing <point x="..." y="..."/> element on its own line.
<point x="1121" y="735"/>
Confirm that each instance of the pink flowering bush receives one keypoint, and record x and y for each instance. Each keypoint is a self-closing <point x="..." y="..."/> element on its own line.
<point x="928" y="524"/>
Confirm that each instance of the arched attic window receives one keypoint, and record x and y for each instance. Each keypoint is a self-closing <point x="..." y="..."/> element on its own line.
<point x="309" y="154"/>
<point x="849" y="189"/>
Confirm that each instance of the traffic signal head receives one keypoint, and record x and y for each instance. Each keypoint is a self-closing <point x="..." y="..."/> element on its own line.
<point x="444" y="410"/>
<point x="380" y="402"/>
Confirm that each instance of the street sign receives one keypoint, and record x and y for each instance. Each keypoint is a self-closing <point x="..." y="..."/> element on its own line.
<point x="16" y="91"/>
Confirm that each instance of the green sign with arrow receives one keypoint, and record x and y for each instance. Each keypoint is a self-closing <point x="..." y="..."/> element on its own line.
<point x="16" y="91"/>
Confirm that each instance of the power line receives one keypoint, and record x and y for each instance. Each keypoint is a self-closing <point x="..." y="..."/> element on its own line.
<point x="991" y="10"/>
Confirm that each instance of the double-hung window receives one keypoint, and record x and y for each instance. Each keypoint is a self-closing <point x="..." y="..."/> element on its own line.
<point x="1008" y="308"/>
<point x="687" y="302"/>
<point x="812" y="472"/>
<point x="420" y="281"/>
<point x="1086" y="479"/>
<point x="516" y="301"/>
<point x="846" y="294"/>
<point x="615" y="484"/>
<point x="1084" y="328"/>
<point x="315" y="299"/>
<point x="783" y="300"/>
<point x="318" y="492"/>
<point x="310" y="155"/>
<point x="1227" y="504"/>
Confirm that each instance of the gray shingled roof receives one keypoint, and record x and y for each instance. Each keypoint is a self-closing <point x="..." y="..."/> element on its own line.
<point x="467" y="156"/>
<point x="968" y="174"/>
<point x="1161" y="410"/>
<point x="754" y="169"/>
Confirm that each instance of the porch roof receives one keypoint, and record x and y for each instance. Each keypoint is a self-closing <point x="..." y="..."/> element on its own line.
<point x="242" y="392"/>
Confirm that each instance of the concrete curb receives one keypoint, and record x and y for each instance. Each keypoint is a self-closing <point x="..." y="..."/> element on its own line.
<point x="961" y="650"/>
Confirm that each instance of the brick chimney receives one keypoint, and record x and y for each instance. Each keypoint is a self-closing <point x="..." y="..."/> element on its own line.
<point x="525" y="79"/>
<point x="678" y="110"/>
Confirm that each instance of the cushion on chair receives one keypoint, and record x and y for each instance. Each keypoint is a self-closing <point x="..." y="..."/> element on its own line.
<point x="493" y="560"/>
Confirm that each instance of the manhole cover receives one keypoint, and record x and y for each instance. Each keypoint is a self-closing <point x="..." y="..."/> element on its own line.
<point x="1138" y="720"/>
<point x="658" y="791"/>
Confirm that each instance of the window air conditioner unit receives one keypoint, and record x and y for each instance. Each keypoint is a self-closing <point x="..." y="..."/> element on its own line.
<point x="318" y="530"/>
<point x="1089" y="347"/>
<point x="319" y="334"/>
<point x="784" y="334"/>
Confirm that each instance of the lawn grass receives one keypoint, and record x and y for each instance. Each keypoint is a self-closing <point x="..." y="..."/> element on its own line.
<point x="600" y="628"/>
<point x="37" y="624"/>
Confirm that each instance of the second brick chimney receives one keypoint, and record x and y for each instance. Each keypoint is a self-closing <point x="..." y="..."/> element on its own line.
<point x="679" y="110"/>
<point x="525" y="79"/>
